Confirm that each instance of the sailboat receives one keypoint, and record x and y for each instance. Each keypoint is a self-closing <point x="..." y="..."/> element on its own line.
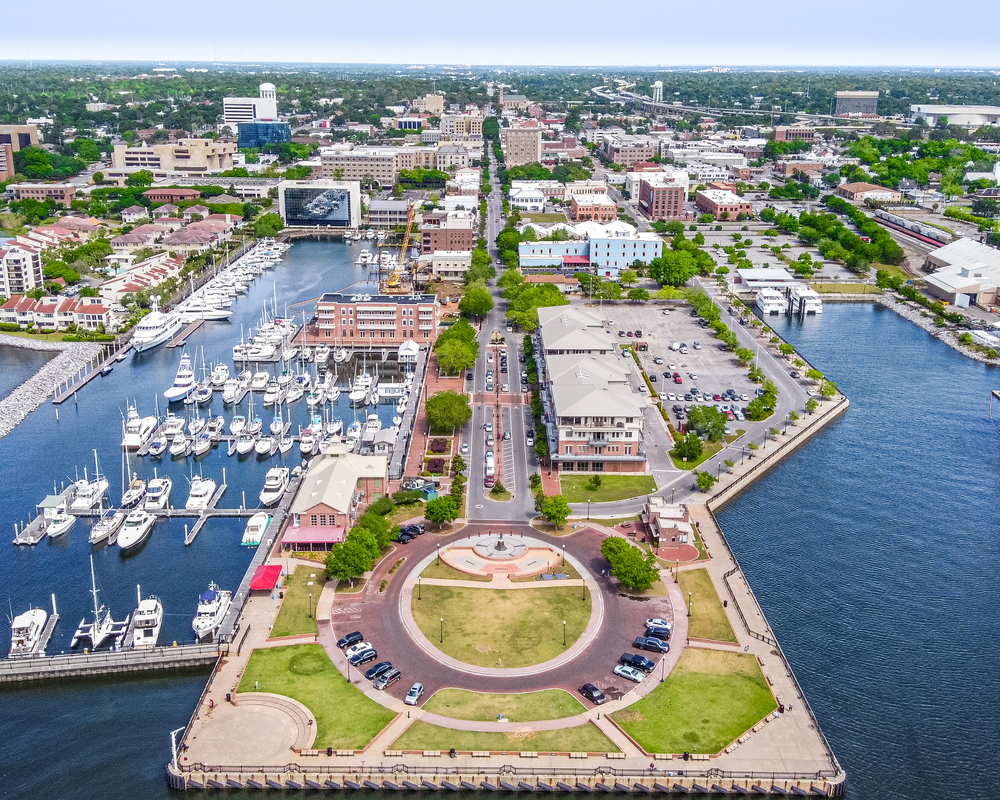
<point x="103" y="627"/>
<point x="135" y="491"/>
<point x="107" y="526"/>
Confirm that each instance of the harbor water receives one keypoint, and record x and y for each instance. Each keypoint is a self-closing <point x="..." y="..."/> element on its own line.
<point x="17" y="364"/>
<point x="872" y="551"/>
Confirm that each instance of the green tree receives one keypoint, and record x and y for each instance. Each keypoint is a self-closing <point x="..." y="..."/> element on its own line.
<point x="828" y="389"/>
<point x="609" y="291"/>
<point x="627" y="278"/>
<point x="447" y="411"/>
<point x="347" y="560"/>
<point x="707" y="420"/>
<point x="478" y="302"/>
<point x="556" y="510"/>
<point x="689" y="447"/>
<point x="744" y="355"/>
<point x="814" y="374"/>
<point x="786" y="349"/>
<point x="441" y="510"/>
<point x="454" y="356"/>
<point x="639" y="294"/>
<point x="811" y="405"/>
<point x="706" y="480"/>
<point x="268" y="225"/>
<point x="141" y="178"/>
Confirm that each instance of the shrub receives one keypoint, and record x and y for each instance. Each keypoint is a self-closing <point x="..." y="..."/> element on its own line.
<point x="436" y="466"/>
<point x="498" y="488"/>
<point x="438" y="445"/>
<point x="535" y="480"/>
<point x="382" y="507"/>
<point x="406" y="498"/>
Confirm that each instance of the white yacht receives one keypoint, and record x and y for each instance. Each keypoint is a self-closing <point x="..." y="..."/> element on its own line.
<point x="137" y="526"/>
<point x="158" y="493"/>
<point x="261" y="351"/>
<point x="372" y="425"/>
<point x="332" y="394"/>
<point x="272" y="392"/>
<point x="196" y="426"/>
<point x="202" y="444"/>
<point x="26" y="632"/>
<point x="180" y="446"/>
<point x="230" y="391"/>
<point x="295" y="392"/>
<point x="237" y="424"/>
<point x="184" y="381"/>
<point x="364" y="258"/>
<point x="275" y="484"/>
<point x="213" y="605"/>
<point x="106" y="526"/>
<point x="259" y="381"/>
<point x="172" y="425"/>
<point x="322" y="354"/>
<point x="201" y="308"/>
<point x="59" y="522"/>
<point x="89" y="493"/>
<point x="138" y="430"/>
<point x="286" y="444"/>
<point x="341" y="355"/>
<point x="307" y="442"/>
<point x="255" y="529"/>
<point x="770" y="301"/>
<point x="201" y="494"/>
<point x="245" y="443"/>
<point x="146" y="622"/>
<point x="262" y="446"/>
<point x="219" y="375"/>
<point x="277" y="425"/>
<point x="155" y="328"/>
<point x="216" y="425"/>
<point x="158" y="446"/>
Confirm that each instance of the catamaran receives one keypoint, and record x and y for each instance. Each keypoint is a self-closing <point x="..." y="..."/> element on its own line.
<point x="103" y="627"/>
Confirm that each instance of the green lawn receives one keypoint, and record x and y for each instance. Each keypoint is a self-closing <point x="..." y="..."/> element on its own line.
<point x="539" y="217"/>
<point x="345" y="718"/>
<point x="529" y="707"/>
<point x="657" y="589"/>
<point x="500" y="496"/>
<point x="344" y="587"/>
<point x="708" y="450"/>
<point x="483" y="626"/>
<point x="294" y="615"/>
<point x="586" y="738"/>
<point x="445" y="572"/>
<point x="607" y="523"/>
<point x="708" y="618"/>
<point x="710" y="699"/>
<point x="845" y="288"/>
<point x="404" y="513"/>
<point x="613" y="487"/>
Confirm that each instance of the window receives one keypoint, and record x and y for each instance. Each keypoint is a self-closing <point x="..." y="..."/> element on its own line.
<point x="312" y="520"/>
<point x="377" y="483"/>
<point x="322" y="520"/>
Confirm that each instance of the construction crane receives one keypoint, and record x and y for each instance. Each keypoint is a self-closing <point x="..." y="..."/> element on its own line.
<point x="396" y="271"/>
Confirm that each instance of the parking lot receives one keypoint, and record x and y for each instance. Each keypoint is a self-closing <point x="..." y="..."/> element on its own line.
<point x="708" y="370"/>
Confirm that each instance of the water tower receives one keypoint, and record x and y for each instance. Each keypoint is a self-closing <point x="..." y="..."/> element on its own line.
<point x="658" y="92"/>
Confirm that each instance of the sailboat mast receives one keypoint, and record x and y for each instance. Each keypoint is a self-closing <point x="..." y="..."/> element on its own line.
<point x="93" y="588"/>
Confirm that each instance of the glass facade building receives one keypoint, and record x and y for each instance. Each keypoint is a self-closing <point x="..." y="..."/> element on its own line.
<point x="257" y="134"/>
<point x="304" y="206"/>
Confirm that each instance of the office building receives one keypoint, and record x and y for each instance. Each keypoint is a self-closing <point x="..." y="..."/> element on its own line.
<point x="451" y="265"/>
<point x="863" y="104"/>
<point x="626" y="150"/>
<point x="661" y="195"/>
<point x="388" y="213"/>
<point x="462" y="126"/>
<point x="377" y="320"/>
<point x="794" y="133"/>
<point x="19" y="136"/>
<point x="861" y="191"/>
<point x="521" y="146"/>
<point x="260" y="133"/>
<point x="722" y="204"/>
<point x="192" y="156"/>
<point x="6" y="163"/>
<point x="248" y="109"/>
<point x="62" y="193"/>
<point x="447" y="230"/>
<point x="596" y="207"/>
<point x="323" y="203"/>
<point x="432" y="104"/>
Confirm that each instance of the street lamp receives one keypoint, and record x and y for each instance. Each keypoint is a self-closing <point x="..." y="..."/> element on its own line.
<point x="564" y="633"/>
<point x="588" y="509"/>
<point x="663" y="670"/>
<point x="442" y="629"/>
<point x="689" y="604"/>
<point x="418" y="587"/>
<point x="786" y="423"/>
<point x="310" y="604"/>
<point x="677" y="568"/>
<point x="671" y="495"/>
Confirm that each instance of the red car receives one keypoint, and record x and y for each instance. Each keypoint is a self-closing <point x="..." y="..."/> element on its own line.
<point x="678" y="379"/>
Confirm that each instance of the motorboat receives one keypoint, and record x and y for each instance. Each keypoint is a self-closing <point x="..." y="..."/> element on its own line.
<point x="26" y="632"/>
<point x="103" y="628"/>
<point x="315" y="397"/>
<point x="106" y="527"/>
<point x="203" y="394"/>
<point x="295" y="392"/>
<point x="275" y="484"/>
<point x="365" y="258"/>
<point x="201" y="308"/>
<point x="220" y="375"/>
<point x="158" y="446"/>
<point x="341" y="355"/>
<point x="213" y="605"/>
<point x="285" y="379"/>
<point x="262" y="446"/>
<point x="155" y="328"/>
<point x="354" y="429"/>
<point x="245" y="443"/>
<point x="216" y="425"/>
<point x="201" y="494"/>
<point x="138" y="430"/>
<point x="184" y="381"/>
<point x="158" y="493"/>
<point x="286" y="444"/>
<point x="335" y="426"/>
<point x="146" y="622"/>
<point x="397" y="421"/>
<point x="307" y="442"/>
<point x="261" y="351"/>
<point x="135" y="494"/>
<point x="277" y="425"/>
<point x="173" y="425"/>
<point x="59" y="522"/>
<point x="89" y="493"/>
<point x="288" y="353"/>
<point x="180" y="446"/>
<point x="401" y="407"/>
<point x="259" y="381"/>
<point x="237" y="424"/>
<point x="373" y="398"/>
<point x="230" y="391"/>
<point x="369" y="234"/>
<point x="196" y="426"/>
<point x="380" y="236"/>
<point x="373" y="424"/>
<point x="272" y="393"/>
<point x="322" y="354"/>
<point x="137" y="526"/>
<point x="256" y="527"/>
<point x="202" y="444"/>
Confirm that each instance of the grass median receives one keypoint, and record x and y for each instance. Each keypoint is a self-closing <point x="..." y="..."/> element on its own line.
<point x="297" y="614"/>
<point x="708" y="618"/>
<point x="502" y="627"/>
<point x="585" y="738"/>
<point x="345" y="718"/>
<point x="481" y="707"/>
<point x="445" y="572"/>
<point x="576" y="488"/>
<point x="710" y="699"/>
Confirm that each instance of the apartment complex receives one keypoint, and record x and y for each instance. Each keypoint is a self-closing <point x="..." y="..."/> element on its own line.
<point x="462" y="126"/>
<point x="247" y="109"/>
<point x="626" y="150"/>
<point x="521" y="146"/>
<point x="447" y="230"/>
<point x="62" y="193"/>
<point x="384" y="164"/>
<point x="603" y="249"/>
<point x="19" y="136"/>
<point x="21" y="267"/>
<point x="794" y="132"/>
<point x="56" y="313"/>
<point x="722" y="204"/>
<point x="430" y="104"/>
<point x="377" y="320"/>
<point x="185" y="155"/>
<point x="595" y="421"/>
<point x="6" y="162"/>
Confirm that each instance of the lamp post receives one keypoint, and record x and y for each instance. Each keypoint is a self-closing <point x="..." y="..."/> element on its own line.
<point x="689" y="604"/>
<point x="310" y="604"/>
<point x="442" y="628"/>
<point x="743" y="452"/>
<point x="418" y="587"/>
<point x="671" y="495"/>
<point x="786" y="423"/>
<point x="564" y="633"/>
<point x="588" y="509"/>
<point x="677" y="569"/>
<point x="584" y="598"/>
<point x="663" y="670"/>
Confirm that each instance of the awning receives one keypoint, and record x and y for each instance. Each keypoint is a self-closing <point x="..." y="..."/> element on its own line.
<point x="265" y="577"/>
<point x="308" y="535"/>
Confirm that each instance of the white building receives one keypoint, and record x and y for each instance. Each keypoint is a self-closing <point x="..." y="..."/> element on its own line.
<point x="450" y="265"/>
<point x="527" y="199"/>
<point x="966" y="116"/>
<point x="247" y="109"/>
<point x="20" y="269"/>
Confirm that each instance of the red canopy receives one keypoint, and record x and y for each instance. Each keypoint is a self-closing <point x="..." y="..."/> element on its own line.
<point x="265" y="577"/>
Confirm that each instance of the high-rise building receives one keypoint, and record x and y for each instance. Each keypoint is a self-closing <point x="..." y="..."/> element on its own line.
<point x="20" y="269"/>
<point x="6" y="162"/>
<point x="858" y="103"/>
<point x="19" y="136"/>
<point x="259" y="133"/>
<point x="247" y="109"/>
<point x="521" y="146"/>
<point x="332" y="204"/>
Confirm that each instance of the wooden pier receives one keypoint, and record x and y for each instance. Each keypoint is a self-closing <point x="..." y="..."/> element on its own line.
<point x="189" y="536"/>
<point x="181" y="338"/>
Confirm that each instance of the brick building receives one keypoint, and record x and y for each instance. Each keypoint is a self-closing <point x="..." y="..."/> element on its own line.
<point x="377" y="320"/>
<point x="719" y="202"/>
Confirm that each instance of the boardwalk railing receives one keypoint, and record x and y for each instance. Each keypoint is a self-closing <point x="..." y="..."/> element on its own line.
<point x="105" y="662"/>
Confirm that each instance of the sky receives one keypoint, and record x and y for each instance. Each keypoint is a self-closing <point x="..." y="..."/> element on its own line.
<point x="526" y="32"/>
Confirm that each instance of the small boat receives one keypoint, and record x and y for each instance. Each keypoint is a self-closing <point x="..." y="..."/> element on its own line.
<point x="307" y="442"/>
<point x="158" y="493"/>
<point x="322" y="354"/>
<point x="255" y="529"/>
<point x="255" y="426"/>
<point x="373" y="399"/>
<point x="354" y="429"/>
<point x="262" y="446"/>
<point x="135" y="493"/>
<point x="397" y="421"/>
<point x="259" y="381"/>
<point x="332" y="394"/>
<point x="137" y="526"/>
<point x="146" y="622"/>
<point x="272" y="392"/>
<point x="184" y="381"/>
<point x="275" y="484"/>
<point x="315" y="397"/>
<point x="341" y="355"/>
<point x="335" y="426"/>
<point x="89" y="493"/>
<point x="138" y="430"/>
<point x="60" y="522"/>
<point x="216" y="425"/>
<point x="201" y="494"/>
<point x="196" y="426"/>
<point x="203" y="394"/>
<point x="180" y="446"/>
<point x="220" y="375"/>
<point x="277" y="425"/>
<point x="401" y="407"/>
<point x="213" y="605"/>
<point x="202" y="444"/>
<point x="295" y="392"/>
<point x="173" y="425"/>
<point x="26" y="632"/>
<point x="245" y="443"/>
<point x="237" y="424"/>
<point x="106" y="526"/>
<point x="230" y="390"/>
<point x="158" y="446"/>
<point x="286" y="445"/>
<point x="285" y="378"/>
<point x="103" y="627"/>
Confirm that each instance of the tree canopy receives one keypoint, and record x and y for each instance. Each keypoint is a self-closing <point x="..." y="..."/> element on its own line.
<point x="448" y="410"/>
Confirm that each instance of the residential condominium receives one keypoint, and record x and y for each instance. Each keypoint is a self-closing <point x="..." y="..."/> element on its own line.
<point x="384" y="164"/>
<point x="429" y="104"/>
<point x="521" y="146"/>
<point x="377" y="320"/>
<point x="184" y="155"/>
<point x="6" y="162"/>
<point x="447" y="230"/>
<point x="462" y="126"/>
<point x="21" y="267"/>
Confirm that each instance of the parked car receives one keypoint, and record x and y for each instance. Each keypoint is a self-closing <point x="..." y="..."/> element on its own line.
<point x="469" y="375"/>
<point x="657" y="360"/>
<point x="351" y="638"/>
<point x="593" y="694"/>
<point x="488" y="427"/>
<point x="464" y="448"/>
<point x="354" y="649"/>
<point x="506" y="436"/>
<point x="622" y="334"/>
<point x="387" y="679"/>
<point x="378" y="669"/>
<point x="652" y="378"/>
<point x="638" y="333"/>
<point x="363" y="657"/>
<point x="638" y="662"/>
<point x="404" y="538"/>
<point x="657" y="632"/>
<point x="504" y="387"/>
<point x="659" y="621"/>
<point x="651" y="644"/>
<point x="697" y="345"/>
<point x="417" y="690"/>
<point x="629" y="673"/>
<point x="490" y="440"/>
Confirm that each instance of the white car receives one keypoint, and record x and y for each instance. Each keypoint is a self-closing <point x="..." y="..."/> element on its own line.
<point x="671" y="367"/>
<point x="663" y="397"/>
<point x="504" y="388"/>
<point x="666" y="313"/>
<point x="630" y="673"/>
<point x="656" y="622"/>
<point x="415" y="693"/>
<point x="354" y="649"/>
<point x="693" y="376"/>
<point x="465" y="448"/>
<point x="489" y="358"/>
<point x="671" y="396"/>
<point x="744" y="397"/>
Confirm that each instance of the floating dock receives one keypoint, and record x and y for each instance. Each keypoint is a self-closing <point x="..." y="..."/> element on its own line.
<point x="181" y="338"/>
